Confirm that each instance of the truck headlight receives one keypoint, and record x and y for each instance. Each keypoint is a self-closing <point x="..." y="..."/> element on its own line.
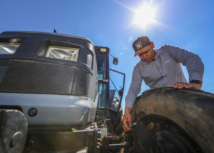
<point x="65" y="53"/>
<point x="8" y="48"/>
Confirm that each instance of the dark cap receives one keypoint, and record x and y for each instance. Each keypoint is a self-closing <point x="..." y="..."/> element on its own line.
<point x="141" y="45"/>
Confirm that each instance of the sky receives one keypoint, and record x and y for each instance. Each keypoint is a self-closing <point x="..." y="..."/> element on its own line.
<point x="111" y="23"/>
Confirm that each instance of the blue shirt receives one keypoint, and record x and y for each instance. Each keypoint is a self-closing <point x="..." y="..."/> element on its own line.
<point x="164" y="71"/>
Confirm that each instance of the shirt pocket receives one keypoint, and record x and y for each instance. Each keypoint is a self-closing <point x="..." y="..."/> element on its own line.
<point x="167" y="65"/>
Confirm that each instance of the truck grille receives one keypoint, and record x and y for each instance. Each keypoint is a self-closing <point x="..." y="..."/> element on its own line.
<point x="3" y="70"/>
<point x="28" y="76"/>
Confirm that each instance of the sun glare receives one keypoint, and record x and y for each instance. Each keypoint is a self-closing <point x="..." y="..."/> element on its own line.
<point x="144" y="16"/>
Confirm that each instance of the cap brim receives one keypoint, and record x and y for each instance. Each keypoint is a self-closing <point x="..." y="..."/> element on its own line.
<point x="142" y="50"/>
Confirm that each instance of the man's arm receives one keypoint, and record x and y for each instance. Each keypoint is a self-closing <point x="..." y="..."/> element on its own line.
<point x="134" y="90"/>
<point x="193" y="63"/>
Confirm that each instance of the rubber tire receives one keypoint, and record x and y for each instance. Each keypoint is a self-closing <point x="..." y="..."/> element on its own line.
<point x="190" y="109"/>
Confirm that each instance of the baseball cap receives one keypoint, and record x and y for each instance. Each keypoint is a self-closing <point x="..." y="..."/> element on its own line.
<point x="141" y="45"/>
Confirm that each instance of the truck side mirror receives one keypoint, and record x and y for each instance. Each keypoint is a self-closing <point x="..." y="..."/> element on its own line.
<point x="115" y="61"/>
<point x="121" y="92"/>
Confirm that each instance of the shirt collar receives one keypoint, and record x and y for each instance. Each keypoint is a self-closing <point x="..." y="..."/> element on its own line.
<point x="157" y="54"/>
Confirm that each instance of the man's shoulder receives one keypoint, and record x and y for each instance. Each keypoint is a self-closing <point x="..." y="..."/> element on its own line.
<point x="165" y="47"/>
<point x="162" y="48"/>
<point x="137" y="65"/>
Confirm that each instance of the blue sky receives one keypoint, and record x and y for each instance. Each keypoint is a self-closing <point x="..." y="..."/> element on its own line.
<point x="186" y="24"/>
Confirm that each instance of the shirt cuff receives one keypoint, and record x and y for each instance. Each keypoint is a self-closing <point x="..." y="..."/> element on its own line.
<point x="129" y="104"/>
<point x="194" y="75"/>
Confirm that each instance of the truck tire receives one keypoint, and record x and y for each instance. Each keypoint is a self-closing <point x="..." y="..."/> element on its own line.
<point x="13" y="131"/>
<point x="176" y="120"/>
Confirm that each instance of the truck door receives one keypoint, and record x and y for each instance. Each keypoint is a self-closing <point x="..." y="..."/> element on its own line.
<point x="103" y="82"/>
<point x="110" y="93"/>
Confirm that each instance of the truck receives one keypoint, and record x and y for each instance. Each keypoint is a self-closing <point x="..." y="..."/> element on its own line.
<point x="56" y="96"/>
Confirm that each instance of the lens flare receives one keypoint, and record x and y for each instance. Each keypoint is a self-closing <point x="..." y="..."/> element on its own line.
<point x="145" y="15"/>
<point x="84" y="114"/>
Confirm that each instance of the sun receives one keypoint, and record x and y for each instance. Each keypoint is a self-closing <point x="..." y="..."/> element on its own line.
<point x="144" y="16"/>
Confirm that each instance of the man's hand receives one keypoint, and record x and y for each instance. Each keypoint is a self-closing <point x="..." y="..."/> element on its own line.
<point x="181" y="85"/>
<point x="127" y="119"/>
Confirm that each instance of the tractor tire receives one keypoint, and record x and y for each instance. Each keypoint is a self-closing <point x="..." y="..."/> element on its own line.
<point x="176" y="120"/>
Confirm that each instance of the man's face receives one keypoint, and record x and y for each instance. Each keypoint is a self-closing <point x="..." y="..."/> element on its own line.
<point x="147" y="55"/>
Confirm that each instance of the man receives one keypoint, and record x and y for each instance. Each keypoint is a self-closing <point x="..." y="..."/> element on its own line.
<point x="161" y="68"/>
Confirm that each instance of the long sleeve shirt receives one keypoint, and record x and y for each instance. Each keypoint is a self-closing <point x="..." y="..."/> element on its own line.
<point x="164" y="71"/>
